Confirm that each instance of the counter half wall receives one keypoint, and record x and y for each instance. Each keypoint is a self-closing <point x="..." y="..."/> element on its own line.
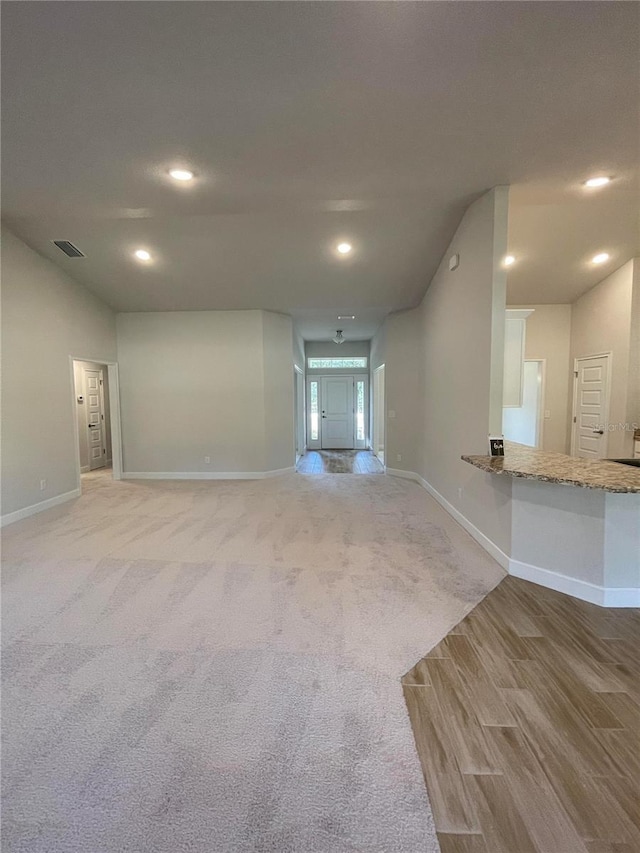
<point x="575" y="523"/>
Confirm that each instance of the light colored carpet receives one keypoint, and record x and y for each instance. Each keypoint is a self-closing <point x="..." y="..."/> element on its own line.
<point x="214" y="667"/>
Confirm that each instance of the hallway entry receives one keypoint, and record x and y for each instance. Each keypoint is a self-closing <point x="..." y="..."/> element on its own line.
<point x="339" y="462"/>
<point x="91" y="383"/>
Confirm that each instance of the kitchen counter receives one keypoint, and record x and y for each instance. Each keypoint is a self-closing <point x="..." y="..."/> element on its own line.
<point x="531" y="464"/>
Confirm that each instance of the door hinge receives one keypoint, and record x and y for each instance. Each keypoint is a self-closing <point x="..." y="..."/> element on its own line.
<point x="101" y="381"/>
<point x="575" y="420"/>
<point x="575" y="373"/>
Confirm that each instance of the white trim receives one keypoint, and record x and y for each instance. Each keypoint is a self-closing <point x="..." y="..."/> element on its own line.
<point x="299" y="424"/>
<point x="489" y="546"/>
<point x="206" y="475"/>
<point x="601" y="595"/>
<point x="116" y="422"/>
<point x="519" y="313"/>
<point x="19" y="514"/>
<point x="621" y="596"/>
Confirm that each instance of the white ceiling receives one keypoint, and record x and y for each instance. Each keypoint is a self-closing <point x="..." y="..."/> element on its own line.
<point x="308" y="123"/>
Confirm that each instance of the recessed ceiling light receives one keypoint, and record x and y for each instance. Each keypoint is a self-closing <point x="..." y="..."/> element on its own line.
<point x="600" y="258"/>
<point x="142" y="255"/>
<point x="344" y="248"/>
<point x="181" y="174"/>
<point x="599" y="181"/>
<point x="509" y="260"/>
<point x="346" y="316"/>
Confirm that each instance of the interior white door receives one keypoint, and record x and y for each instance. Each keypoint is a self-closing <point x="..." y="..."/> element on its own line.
<point x="95" y="419"/>
<point x="337" y="412"/>
<point x="591" y="402"/>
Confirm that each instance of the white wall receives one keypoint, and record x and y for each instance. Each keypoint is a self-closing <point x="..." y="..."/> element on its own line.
<point x="548" y="336"/>
<point x="463" y="368"/>
<point x="46" y="317"/>
<point x="279" y="411"/>
<point x="404" y="402"/>
<point x="601" y="322"/>
<point x="445" y="365"/>
<point x="193" y="385"/>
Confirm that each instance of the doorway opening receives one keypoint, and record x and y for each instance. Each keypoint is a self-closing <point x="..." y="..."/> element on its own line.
<point x="96" y="420"/>
<point x="524" y="424"/>
<point x="299" y="410"/>
<point x="378" y="437"/>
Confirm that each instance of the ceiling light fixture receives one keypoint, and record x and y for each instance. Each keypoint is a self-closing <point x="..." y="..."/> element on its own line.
<point x="339" y="338"/>
<point x="600" y="181"/>
<point x="509" y="260"/>
<point x="344" y="248"/>
<point x="600" y="258"/>
<point x="142" y="255"/>
<point x="346" y="316"/>
<point x="181" y="174"/>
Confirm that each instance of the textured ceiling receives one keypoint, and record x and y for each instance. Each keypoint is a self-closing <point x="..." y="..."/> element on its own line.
<point x="308" y="123"/>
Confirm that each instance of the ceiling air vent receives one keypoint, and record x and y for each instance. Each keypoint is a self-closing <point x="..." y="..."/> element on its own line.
<point x="69" y="249"/>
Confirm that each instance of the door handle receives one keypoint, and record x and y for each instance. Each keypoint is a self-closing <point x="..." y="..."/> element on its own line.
<point x="598" y="432"/>
<point x="92" y="426"/>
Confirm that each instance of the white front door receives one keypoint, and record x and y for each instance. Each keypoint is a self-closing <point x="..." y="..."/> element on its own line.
<point x="591" y="404"/>
<point x="337" y="419"/>
<point x="95" y="419"/>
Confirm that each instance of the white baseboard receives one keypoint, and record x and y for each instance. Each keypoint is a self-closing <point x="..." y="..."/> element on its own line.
<point x="602" y="595"/>
<point x="206" y="475"/>
<point x="489" y="546"/>
<point x="84" y="469"/>
<point x="19" y="514"/>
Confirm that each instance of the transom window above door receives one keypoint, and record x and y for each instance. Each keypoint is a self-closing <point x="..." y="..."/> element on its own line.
<point x="335" y="363"/>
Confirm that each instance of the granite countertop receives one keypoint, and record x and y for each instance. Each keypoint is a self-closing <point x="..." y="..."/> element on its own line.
<point x="532" y="464"/>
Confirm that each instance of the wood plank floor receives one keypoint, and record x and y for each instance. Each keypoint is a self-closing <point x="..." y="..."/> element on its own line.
<point x="339" y="462"/>
<point x="526" y="719"/>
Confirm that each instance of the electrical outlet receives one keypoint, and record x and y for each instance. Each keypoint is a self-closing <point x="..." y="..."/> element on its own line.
<point x="547" y="414"/>
<point x="207" y="459"/>
<point x="399" y="457"/>
<point x="43" y="485"/>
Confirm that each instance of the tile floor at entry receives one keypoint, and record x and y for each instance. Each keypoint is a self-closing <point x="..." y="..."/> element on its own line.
<point x="339" y="462"/>
<point x="527" y="723"/>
